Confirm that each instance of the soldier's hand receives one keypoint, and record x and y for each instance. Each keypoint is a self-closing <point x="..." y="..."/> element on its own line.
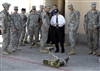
<point x="56" y="24"/>
<point x="75" y="30"/>
<point x="27" y="28"/>
<point x="47" y="29"/>
<point x="86" y="31"/>
<point x="15" y="30"/>
<point x="4" y="31"/>
<point x="95" y="28"/>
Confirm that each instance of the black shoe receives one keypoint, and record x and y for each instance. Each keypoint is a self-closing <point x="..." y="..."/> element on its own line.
<point x="26" y="42"/>
<point x="56" y="51"/>
<point x="62" y="51"/>
<point x="33" y="44"/>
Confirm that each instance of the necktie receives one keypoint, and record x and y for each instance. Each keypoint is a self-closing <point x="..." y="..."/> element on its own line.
<point x="57" y="21"/>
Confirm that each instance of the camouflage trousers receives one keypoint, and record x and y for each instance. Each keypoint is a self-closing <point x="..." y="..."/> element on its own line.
<point x="15" y="36"/>
<point x="44" y="37"/>
<point x="6" y="39"/>
<point x="72" y="36"/>
<point x="22" y="34"/>
<point x="33" y="31"/>
<point x="93" y="39"/>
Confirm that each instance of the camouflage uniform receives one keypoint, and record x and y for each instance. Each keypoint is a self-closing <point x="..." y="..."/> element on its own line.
<point x="6" y="24"/>
<point x="15" y="35"/>
<point x="45" y="25"/>
<point x="24" y="18"/>
<point x="40" y="20"/>
<point x="92" y="20"/>
<point x="74" y="20"/>
<point x="73" y="24"/>
<point x="33" y="26"/>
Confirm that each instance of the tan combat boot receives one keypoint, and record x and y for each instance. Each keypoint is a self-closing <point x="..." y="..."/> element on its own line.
<point x="5" y="52"/>
<point x="17" y="48"/>
<point x="35" y="46"/>
<point x="13" y="49"/>
<point x="72" y="52"/>
<point x="90" y="52"/>
<point x="30" y="46"/>
<point x="21" y="44"/>
<point x="94" y="52"/>
<point x="98" y="54"/>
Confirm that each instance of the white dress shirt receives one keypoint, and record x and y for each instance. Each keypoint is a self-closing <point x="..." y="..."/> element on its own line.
<point x="61" y="21"/>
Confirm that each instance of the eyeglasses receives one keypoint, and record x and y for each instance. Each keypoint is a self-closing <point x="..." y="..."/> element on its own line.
<point x="34" y="9"/>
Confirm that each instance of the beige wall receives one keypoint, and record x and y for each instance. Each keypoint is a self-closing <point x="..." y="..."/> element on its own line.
<point x="83" y="6"/>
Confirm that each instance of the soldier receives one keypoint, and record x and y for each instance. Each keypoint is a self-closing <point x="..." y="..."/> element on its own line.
<point x="45" y="27"/>
<point x="40" y="18"/>
<point x="15" y="35"/>
<point x="5" y="27"/>
<point x="73" y="26"/>
<point x="24" y="18"/>
<point x="40" y="12"/>
<point x="91" y="23"/>
<point x="33" y="26"/>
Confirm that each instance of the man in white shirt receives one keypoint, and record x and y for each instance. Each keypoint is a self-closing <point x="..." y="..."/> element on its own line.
<point x="58" y="21"/>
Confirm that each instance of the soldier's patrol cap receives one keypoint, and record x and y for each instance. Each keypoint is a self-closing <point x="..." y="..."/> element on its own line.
<point x="23" y="9"/>
<point x="15" y="7"/>
<point x="33" y="7"/>
<point x="6" y="4"/>
<point x="69" y="5"/>
<point x="41" y="6"/>
<point x="56" y="11"/>
<point x="48" y="6"/>
<point x="93" y="4"/>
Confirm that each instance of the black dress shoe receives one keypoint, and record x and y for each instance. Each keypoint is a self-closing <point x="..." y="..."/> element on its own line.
<point x="56" y="51"/>
<point x="26" y="42"/>
<point x="63" y="51"/>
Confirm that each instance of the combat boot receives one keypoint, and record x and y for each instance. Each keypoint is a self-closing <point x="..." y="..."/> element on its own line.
<point x="5" y="52"/>
<point x="98" y="54"/>
<point x="90" y="52"/>
<point x="94" y="52"/>
<point x="35" y="46"/>
<point x="72" y="52"/>
<point x="21" y="44"/>
<point x="30" y="46"/>
<point x="13" y="49"/>
<point x="17" y="48"/>
<point x="8" y="51"/>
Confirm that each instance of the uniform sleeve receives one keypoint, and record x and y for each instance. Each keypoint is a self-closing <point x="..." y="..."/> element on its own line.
<point x="25" y="18"/>
<point x="98" y="20"/>
<point x="77" y="16"/>
<point x="12" y="20"/>
<point x="28" y="20"/>
<point x="3" y="17"/>
<point x="44" y="20"/>
<point x="85" y="21"/>
<point x="21" y="21"/>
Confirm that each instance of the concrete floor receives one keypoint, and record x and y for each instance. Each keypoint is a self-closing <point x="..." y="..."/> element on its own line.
<point x="31" y="60"/>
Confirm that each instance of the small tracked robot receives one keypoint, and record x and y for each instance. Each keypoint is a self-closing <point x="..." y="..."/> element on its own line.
<point x="55" y="61"/>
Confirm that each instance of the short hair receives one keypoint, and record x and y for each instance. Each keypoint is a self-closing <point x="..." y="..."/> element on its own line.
<point x="55" y="5"/>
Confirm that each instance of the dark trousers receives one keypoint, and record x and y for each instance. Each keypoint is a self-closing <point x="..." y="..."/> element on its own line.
<point x="58" y="36"/>
<point x="50" y="36"/>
